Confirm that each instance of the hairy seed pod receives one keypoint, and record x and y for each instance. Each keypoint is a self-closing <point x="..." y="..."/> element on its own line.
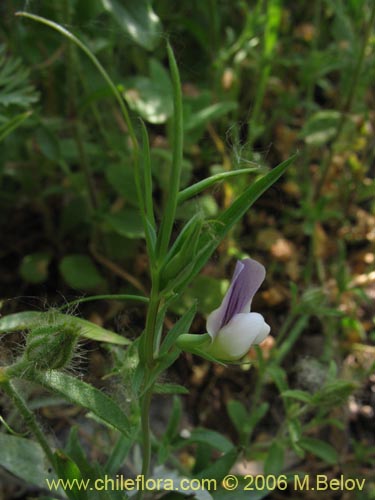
<point x="51" y="347"/>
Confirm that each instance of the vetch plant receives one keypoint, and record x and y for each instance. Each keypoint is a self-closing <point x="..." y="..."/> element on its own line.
<point x="232" y="328"/>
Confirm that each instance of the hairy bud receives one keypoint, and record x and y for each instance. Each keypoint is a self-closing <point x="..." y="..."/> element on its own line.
<point x="51" y="347"/>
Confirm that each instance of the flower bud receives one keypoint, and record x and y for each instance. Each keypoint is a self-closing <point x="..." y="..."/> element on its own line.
<point x="51" y="347"/>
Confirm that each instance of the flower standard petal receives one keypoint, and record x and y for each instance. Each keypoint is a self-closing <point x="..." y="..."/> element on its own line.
<point x="234" y="340"/>
<point x="247" y="278"/>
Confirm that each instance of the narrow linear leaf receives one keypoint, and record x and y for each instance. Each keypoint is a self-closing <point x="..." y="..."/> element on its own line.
<point x="200" y="186"/>
<point x="170" y="388"/>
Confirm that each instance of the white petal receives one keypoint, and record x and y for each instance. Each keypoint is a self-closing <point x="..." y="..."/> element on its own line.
<point x="234" y="340"/>
<point x="212" y="320"/>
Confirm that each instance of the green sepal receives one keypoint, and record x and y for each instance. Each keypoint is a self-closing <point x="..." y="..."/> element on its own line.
<point x="195" y="344"/>
<point x="188" y="341"/>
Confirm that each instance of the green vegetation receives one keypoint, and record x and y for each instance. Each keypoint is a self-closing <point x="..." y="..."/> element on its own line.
<point x="145" y="147"/>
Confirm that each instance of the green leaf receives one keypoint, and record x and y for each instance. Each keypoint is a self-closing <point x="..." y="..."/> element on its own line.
<point x="334" y="393"/>
<point x="34" y="267"/>
<point x="321" y="127"/>
<point x="83" y="394"/>
<point x="12" y="124"/>
<point x="30" y="319"/>
<point x="121" y="178"/>
<point x="200" y="186"/>
<point x="79" y="272"/>
<point x="320" y="448"/>
<point x="75" y="451"/>
<point x="275" y="459"/>
<point x="151" y="97"/>
<point x="15" y="89"/>
<point x="169" y="388"/>
<point x="127" y="222"/>
<point x="25" y="459"/>
<point x="137" y="19"/>
<point x="182" y="326"/>
<point x="303" y="396"/>
<point x="68" y="470"/>
<point x="48" y="143"/>
<point x="224" y="223"/>
<point x="238" y="415"/>
<point x="171" y="432"/>
<point x="119" y="452"/>
<point x="207" y="437"/>
<point x="221" y="466"/>
<point x="209" y="114"/>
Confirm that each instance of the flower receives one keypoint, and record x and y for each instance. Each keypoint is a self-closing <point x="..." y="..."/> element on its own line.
<point x="232" y="327"/>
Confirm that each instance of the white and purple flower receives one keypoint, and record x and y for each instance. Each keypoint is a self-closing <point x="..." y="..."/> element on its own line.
<point x="232" y="327"/>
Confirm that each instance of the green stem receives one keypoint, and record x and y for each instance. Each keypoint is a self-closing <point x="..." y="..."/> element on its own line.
<point x="29" y="418"/>
<point x="146" y="435"/>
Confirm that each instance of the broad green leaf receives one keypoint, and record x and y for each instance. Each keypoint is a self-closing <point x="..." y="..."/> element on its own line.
<point x="48" y="143"/>
<point x="275" y="459"/>
<point x="121" y="178"/>
<point x="34" y="267"/>
<point x="221" y="466"/>
<point x="241" y="492"/>
<point x="85" y="395"/>
<point x="119" y="452"/>
<point x="164" y="476"/>
<point x="174" y="421"/>
<point x="25" y="459"/>
<point x="238" y="415"/>
<point x="137" y="19"/>
<point x="30" y="319"/>
<point x="127" y="222"/>
<point x="68" y="470"/>
<point x="151" y="96"/>
<point x="210" y="113"/>
<point x="207" y="437"/>
<point x="79" y="271"/>
<point x="321" y="127"/>
<point x="320" y="448"/>
<point x="75" y="451"/>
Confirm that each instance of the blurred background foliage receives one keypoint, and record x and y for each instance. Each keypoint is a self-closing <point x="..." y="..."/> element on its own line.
<point x="261" y="80"/>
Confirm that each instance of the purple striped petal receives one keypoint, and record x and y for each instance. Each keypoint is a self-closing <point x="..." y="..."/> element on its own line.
<point x="247" y="278"/>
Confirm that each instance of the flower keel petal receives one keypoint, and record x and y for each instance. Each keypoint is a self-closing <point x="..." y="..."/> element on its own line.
<point x="234" y="340"/>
